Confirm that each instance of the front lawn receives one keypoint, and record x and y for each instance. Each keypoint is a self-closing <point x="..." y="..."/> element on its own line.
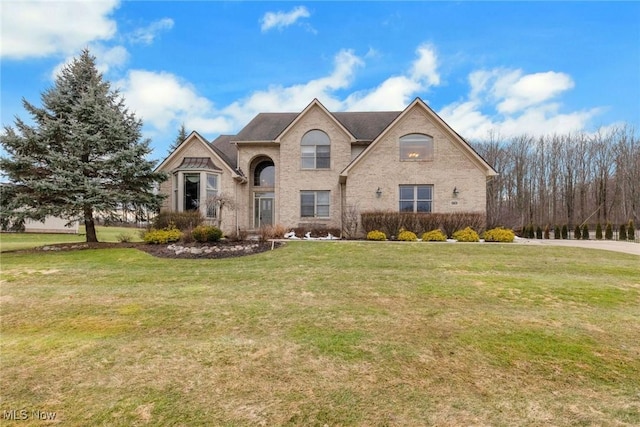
<point x="18" y="241"/>
<point x="324" y="333"/>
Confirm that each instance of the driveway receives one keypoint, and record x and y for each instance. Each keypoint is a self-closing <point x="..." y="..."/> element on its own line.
<point x="607" y="245"/>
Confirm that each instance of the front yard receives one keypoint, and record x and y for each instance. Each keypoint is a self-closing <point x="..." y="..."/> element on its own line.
<point x="319" y="333"/>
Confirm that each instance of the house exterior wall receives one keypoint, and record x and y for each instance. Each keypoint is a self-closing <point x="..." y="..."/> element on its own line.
<point x="454" y="165"/>
<point x="382" y="168"/>
<point x="226" y="185"/>
<point x="293" y="179"/>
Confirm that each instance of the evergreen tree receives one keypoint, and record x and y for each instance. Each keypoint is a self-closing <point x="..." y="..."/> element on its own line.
<point x="631" y="231"/>
<point x="598" y="231"/>
<point x="546" y="232"/>
<point x="556" y="232"/>
<point x="565" y="232"/>
<point x="608" y="231"/>
<point x="83" y="155"/>
<point x="538" y="232"/>
<point x="623" y="232"/>
<point x="576" y="232"/>
<point x="182" y="135"/>
<point x="585" y="232"/>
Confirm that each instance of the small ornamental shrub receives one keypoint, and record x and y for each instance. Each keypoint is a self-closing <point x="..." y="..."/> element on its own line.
<point x="608" y="231"/>
<point x="585" y="232"/>
<point x="376" y="235"/>
<point x="546" y="232"/>
<point x="499" y="234"/>
<point x="159" y="237"/>
<point x="556" y="232"/>
<point x="124" y="237"/>
<point x="407" y="236"/>
<point x="598" y="231"/>
<point x="206" y="233"/>
<point x="631" y="231"/>
<point x="466" y="235"/>
<point x="538" y="233"/>
<point x="577" y="234"/>
<point x="565" y="232"/>
<point x="623" y="232"/>
<point x="434" y="236"/>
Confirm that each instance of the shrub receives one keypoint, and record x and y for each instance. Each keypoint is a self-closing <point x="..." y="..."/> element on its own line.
<point x="585" y="232"/>
<point x="538" y="233"/>
<point x="376" y="235"/>
<point x="631" y="234"/>
<point x="546" y="232"/>
<point x="180" y="220"/>
<point x="565" y="232"/>
<point x="623" y="232"/>
<point x="407" y="236"/>
<point x="577" y="233"/>
<point x="124" y="237"/>
<point x="608" y="231"/>
<point x="275" y="231"/>
<point x="499" y="234"/>
<point x="206" y="233"/>
<point x="557" y="233"/>
<point x="159" y="237"/>
<point x="466" y="235"/>
<point x="434" y="236"/>
<point x="598" y="231"/>
<point x="391" y="223"/>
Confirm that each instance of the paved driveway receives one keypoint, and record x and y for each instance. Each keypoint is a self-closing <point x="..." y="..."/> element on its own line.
<point x="607" y="245"/>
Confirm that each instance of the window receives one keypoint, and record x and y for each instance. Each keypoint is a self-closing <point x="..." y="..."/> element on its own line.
<point x="191" y="191"/>
<point x="416" y="147"/>
<point x="316" y="150"/>
<point x="264" y="175"/>
<point x="212" y="194"/>
<point x="314" y="204"/>
<point x="416" y="198"/>
<point x="175" y="192"/>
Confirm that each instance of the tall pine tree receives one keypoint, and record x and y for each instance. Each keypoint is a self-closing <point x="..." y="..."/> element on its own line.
<point x="84" y="154"/>
<point x="182" y="135"/>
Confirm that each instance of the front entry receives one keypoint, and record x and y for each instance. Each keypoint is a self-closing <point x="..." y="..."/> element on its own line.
<point x="263" y="209"/>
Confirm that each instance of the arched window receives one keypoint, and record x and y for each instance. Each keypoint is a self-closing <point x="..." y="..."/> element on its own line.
<point x="264" y="174"/>
<point x="316" y="150"/>
<point x="416" y="147"/>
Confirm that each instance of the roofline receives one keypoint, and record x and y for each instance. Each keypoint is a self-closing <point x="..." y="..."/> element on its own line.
<point x="316" y="103"/>
<point x="204" y="142"/>
<point x="417" y="101"/>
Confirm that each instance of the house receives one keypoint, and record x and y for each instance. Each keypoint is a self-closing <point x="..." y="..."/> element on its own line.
<point x="311" y="168"/>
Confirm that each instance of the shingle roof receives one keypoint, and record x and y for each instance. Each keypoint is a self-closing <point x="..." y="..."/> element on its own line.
<point x="227" y="151"/>
<point x="364" y="126"/>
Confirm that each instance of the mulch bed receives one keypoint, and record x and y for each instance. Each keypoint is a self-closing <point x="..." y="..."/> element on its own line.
<point x="222" y="249"/>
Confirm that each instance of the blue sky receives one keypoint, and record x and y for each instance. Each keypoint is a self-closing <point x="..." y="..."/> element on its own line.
<point x="505" y="67"/>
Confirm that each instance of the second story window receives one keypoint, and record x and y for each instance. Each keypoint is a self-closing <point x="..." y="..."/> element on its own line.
<point x="416" y="147"/>
<point x="315" y="150"/>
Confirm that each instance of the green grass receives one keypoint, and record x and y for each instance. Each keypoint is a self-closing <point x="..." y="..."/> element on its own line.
<point x="18" y="241"/>
<point x="322" y="333"/>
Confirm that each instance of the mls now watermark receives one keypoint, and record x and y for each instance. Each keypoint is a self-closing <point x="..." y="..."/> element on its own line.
<point x="24" y="415"/>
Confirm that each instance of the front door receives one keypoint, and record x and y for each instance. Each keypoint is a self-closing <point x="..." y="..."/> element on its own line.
<point x="263" y="209"/>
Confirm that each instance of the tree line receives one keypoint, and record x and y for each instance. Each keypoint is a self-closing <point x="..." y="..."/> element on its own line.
<point x="571" y="179"/>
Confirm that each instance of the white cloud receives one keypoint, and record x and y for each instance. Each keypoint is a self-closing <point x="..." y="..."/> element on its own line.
<point x="163" y="100"/>
<point x="281" y="20"/>
<point x="39" y="28"/>
<point x="396" y="92"/>
<point x="510" y="102"/>
<point x="147" y="34"/>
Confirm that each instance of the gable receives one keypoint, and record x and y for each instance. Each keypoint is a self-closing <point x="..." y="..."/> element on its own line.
<point x="421" y="113"/>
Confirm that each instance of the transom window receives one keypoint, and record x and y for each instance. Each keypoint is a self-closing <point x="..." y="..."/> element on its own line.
<point x="314" y="204"/>
<point x="264" y="175"/>
<point x="315" y="150"/>
<point x="416" y="147"/>
<point x="416" y="198"/>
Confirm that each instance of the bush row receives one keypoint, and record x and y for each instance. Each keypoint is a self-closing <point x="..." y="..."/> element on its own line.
<point x="391" y="223"/>
<point x="626" y="232"/>
<point x="466" y="234"/>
